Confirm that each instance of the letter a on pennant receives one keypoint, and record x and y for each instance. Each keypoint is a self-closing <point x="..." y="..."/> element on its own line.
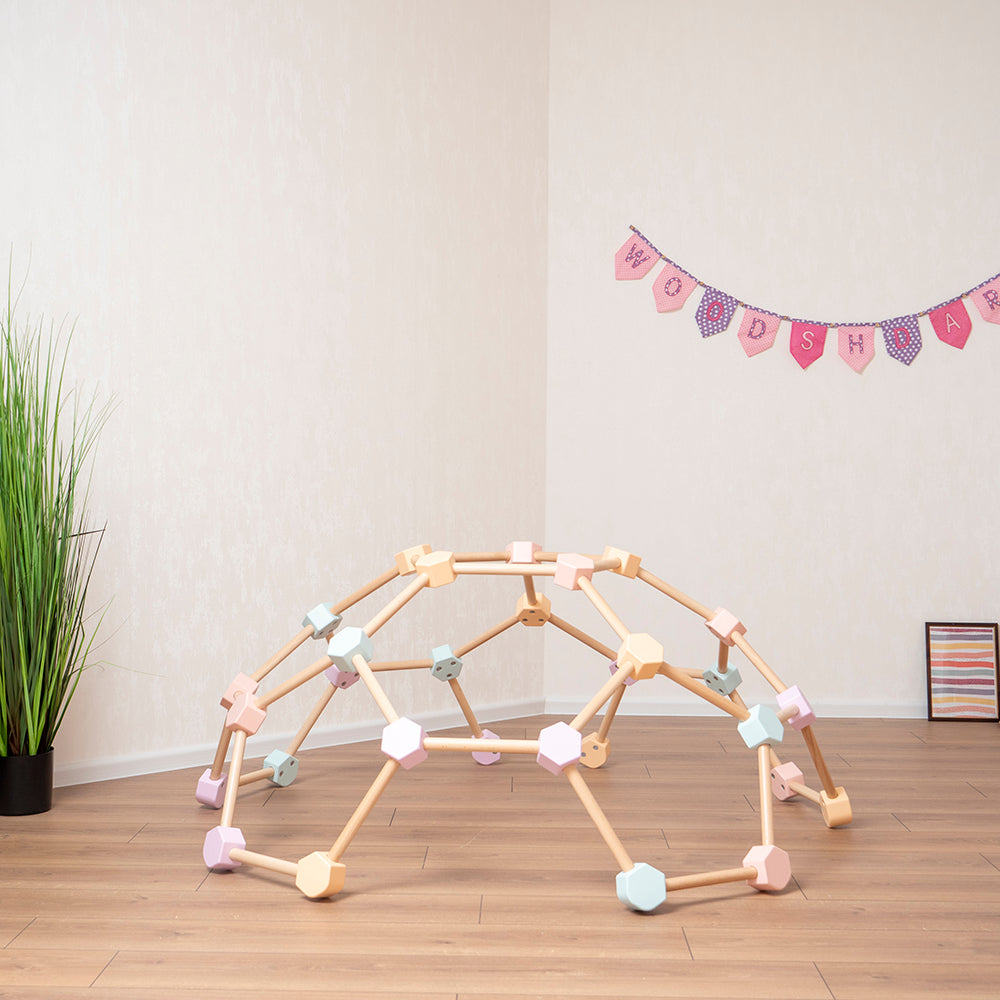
<point x="807" y="343"/>
<point x="987" y="297"/>
<point x="857" y="346"/>
<point x="758" y="331"/>
<point x="902" y="338"/>
<point x="715" y="311"/>
<point x="635" y="259"/>
<point x="672" y="288"/>
<point x="951" y="323"/>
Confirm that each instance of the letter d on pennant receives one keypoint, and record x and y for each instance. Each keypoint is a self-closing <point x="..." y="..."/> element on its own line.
<point x="902" y="338"/>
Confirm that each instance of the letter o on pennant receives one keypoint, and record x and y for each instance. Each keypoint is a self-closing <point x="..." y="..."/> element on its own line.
<point x="672" y="288"/>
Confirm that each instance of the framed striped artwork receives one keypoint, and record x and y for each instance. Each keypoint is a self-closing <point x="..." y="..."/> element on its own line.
<point x="962" y="671"/>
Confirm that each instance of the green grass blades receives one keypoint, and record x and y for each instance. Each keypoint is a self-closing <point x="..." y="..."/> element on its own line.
<point x="47" y="552"/>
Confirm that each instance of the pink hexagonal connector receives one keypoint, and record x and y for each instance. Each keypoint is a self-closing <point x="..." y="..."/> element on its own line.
<point x="723" y="624"/>
<point x="211" y="791"/>
<point x="522" y="552"/>
<point x="403" y="741"/>
<point x="773" y="867"/>
<point x="241" y="682"/>
<point x="219" y="841"/>
<point x="559" y="746"/>
<point x="782" y="778"/>
<point x="793" y="698"/>
<point x="570" y="568"/>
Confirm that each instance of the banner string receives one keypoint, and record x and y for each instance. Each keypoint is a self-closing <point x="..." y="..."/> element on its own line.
<point x="793" y="319"/>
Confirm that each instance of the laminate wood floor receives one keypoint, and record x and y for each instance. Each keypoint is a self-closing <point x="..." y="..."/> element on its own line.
<point x="481" y="883"/>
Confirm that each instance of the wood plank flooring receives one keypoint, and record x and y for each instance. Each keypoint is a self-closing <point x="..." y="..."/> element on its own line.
<point x="491" y="883"/>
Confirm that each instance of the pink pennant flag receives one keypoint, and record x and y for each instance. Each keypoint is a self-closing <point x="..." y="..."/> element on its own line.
<point x="807" y="343"/>
<point x="987" y="297"/>
<point x="857" y="345"/>
<point x="951" y="323"/>
<point x="635" y="259"/>
<point x="758" y="331"/>
<point x="672" y="288"/>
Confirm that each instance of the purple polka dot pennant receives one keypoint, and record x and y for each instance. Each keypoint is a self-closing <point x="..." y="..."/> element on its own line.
<point x="715" y="311"/>
<point x="902" y="338"/>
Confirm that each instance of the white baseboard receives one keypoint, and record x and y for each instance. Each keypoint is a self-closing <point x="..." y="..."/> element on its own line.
<point x="153" y="762"/>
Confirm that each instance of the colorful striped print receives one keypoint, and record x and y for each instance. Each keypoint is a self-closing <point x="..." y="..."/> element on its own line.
<point x="963" y="672"/>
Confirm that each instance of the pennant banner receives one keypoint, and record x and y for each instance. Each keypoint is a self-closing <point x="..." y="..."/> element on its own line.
<point x="758" y="329"/>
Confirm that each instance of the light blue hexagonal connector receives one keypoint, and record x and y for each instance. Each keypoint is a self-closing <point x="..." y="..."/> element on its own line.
<point x="285" y="767"/>
<point x="346" y="644"/>
<point x="722" y="683"/>
<point x="763" y="726"/>
<point x="446" y="666"/>
<point x="643" y="887"/>
<point x="322" y="620"/>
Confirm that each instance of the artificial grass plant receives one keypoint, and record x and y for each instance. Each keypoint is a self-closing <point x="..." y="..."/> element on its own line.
<point x="47" y="552"/>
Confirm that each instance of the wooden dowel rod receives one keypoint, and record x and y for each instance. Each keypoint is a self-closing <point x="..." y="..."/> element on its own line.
<point x="608" y="688"/>
<point x="399" y="601"/>
<point x="757" y="660"/>
<point x="546" y="556"/>
<point x="573" y="631"/>
<point x="463" y="704"/>
<point x="529" y="590"/>
<point x="723" y="657"/>
<point x="826" y="779"/>
<point x="704" y="691"/>
<point x="503" y="569"/>
<point x="486" y="636"/>
<point x="256" y="860"/>
<point x="251" y="776"/>
<point x="609" y="715"/>
<point x="293" y="644"/>
<point x="766" y="803"/>
<point x="359" y="595"/>
<point x="604" y="609"/>
<point x="673" y="593"/>
<point x="220" y="754"/>
<point x="302" y="677"/>
<point x="480" y="557"/>
<point x="364" y="809"/>
<point x="805" y="791"/>
<point x="601" y="564"/>
<point x="374" y="689"/>
<point x="787" y="714"/>
<point x="600" y="820"/>
<point x="466" y="744"/>
<point x="312" y="718"/>
<point x="710" y="878"/>
<point x="233" y="784"/>
<point x="402" y="665"/>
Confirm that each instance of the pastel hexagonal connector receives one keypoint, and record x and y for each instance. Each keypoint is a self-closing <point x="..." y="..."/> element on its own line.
<point x="438" y="567"/>
<point x="535" y="614"/>
<point x="346" y="644"/>
<point x="594" y="751"/>
<point x="782" y="778"/>
<point x="763" y="726"/>
<point x="522" y="552"/>
<point x="722" y="683"/>
<point x="486" y="757"/>
<point x="642" y="887"/>
<point x="241" y="682"/>
<point x="284" y="765"/>
<point x="211" y="791"/>
<point x="724" y="624"/>
<point x="793" y="698"/>
<point x="836" y="809"/>
<point x="774" y="870"/>
<point x="559" y="746"/>
<point x="570" y="568"/>
<point x="613" y="667"/>
<point x="642" y="653"/>
<point x="407" y="559"/>
<point x="245" y="715"/>
<point x="318" y="876"/>
<point x="446" y="666"/>
<point x="342" y="679"/>
<point x="403" y="741"/>
<point x="628" y="562"/>
<point x="219" y="841"/>
<point x="322" y="620"/>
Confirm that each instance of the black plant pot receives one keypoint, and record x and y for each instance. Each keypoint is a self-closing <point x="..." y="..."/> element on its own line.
<point x="26" y="784"/>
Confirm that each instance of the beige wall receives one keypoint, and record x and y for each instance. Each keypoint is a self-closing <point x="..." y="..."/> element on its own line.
<point x="828" y="160"/>
<point x="305" y="247"/>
